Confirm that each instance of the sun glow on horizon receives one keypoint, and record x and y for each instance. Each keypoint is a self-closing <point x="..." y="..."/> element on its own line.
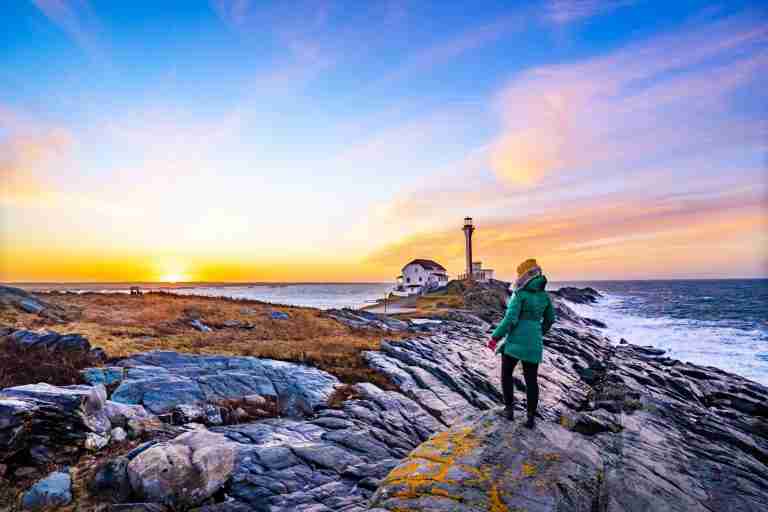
<point x="174" y="275"/>
<point x="174" y="278"/>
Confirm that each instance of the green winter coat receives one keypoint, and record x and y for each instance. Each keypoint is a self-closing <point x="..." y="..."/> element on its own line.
<point x="529" y="316"/>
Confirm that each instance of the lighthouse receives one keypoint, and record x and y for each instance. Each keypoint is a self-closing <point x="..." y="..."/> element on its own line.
<point x="468" y="229"/>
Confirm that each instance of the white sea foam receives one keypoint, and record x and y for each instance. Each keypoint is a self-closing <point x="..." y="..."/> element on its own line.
<point x="741" y="351"/>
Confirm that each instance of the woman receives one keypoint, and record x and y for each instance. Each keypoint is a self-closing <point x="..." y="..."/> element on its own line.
<point x="529" y="316"/>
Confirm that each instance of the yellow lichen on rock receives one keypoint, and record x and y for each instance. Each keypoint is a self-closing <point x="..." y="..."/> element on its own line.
<point x="529" y="469"/>
<point x="495" y="503"/>
<point x="431" y="462"/>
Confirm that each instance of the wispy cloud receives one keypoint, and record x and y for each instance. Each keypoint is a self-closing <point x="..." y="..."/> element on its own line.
<point x="664" y="236"/>
<point x="567" y="11"/>
<point x="590" y="138"/>
<point x="445" y="51"/>
<point x="77" y="19"/>
<point x="616" y="110"/>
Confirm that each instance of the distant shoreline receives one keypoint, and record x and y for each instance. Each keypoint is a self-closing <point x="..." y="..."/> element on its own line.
<point x="37" y="285"/>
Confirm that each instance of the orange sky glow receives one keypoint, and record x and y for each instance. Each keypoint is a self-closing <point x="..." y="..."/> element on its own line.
<point x="283" y="154"/>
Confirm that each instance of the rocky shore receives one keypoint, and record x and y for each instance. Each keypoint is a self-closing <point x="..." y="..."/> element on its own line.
<point x="623" y="428"/>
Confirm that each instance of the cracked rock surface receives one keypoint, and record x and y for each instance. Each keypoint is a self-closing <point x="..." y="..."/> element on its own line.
<point x="621" y="428"/>
<point x="160" y="381"/>
<point x="667" y="435"/>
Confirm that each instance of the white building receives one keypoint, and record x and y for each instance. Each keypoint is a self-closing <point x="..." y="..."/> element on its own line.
<point x="481" y="274"/>
<point x="421" y="275"/>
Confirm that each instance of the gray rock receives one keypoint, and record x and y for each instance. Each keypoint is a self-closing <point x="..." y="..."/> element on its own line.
<point x="206" y="414"/>
<point x="57" y="419"/>
<point x="118" y="435"/>
<point x="636" y="407"/>
<point x="138" y="507"/>
<point x="161" y="381"/>
<point x="120" y="414"/>
<point x="41" y="455"/>
<point x="50" y="341"/>
<point x="578" y="295"/>
<point x="200" y="326"/>
<point x="489" y="463"/>
<point x="108" y="375"/>
<point x="329" y="462"/>
<point x="25" y="471"/>
<point x="95" y="442"/>
<point x="28" y="302"/>
<point x="31" y="306"/>
<point x="185" y="471"/>
<point x="608" y="414"/>
<point x="53" y="491"/>
<point x="111" y="482"/>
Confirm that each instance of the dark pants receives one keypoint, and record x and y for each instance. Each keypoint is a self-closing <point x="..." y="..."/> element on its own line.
<point x="530" y="373"/>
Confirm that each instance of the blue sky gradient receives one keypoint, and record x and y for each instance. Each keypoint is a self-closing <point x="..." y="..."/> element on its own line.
<point x="329" y="140"/>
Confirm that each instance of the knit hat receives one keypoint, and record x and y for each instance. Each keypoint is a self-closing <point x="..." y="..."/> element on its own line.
<point x="526" y="266"/>
<point x="526" y="271"/>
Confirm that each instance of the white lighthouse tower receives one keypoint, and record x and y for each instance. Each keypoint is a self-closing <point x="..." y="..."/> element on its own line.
<point x="468" y="229"/>
<point x="475" y="270"/>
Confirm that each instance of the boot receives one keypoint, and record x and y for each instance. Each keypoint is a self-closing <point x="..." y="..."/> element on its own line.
<point x="509" y="413"/>
<point x="531" y="421"/>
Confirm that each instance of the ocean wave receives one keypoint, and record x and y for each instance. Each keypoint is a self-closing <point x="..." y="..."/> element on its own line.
<point x="743" y="351"/>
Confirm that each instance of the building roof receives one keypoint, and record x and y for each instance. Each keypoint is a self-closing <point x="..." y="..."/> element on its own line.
<point x="427" y="264"/>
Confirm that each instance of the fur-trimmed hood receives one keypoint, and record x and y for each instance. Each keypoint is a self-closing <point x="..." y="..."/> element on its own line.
<point x="526" y="278"/>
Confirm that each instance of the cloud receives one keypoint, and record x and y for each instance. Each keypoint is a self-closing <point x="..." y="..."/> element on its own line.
<point x="586" y="149"/>
<point x="77" y="19"/>
<point x="568" y="11"/>
<point x="448" y="50"/>
<point x="611" y="238"/>
<point x="657" y="99"/>
<point x="21" y="157"/>
<point x="34" y="163"/>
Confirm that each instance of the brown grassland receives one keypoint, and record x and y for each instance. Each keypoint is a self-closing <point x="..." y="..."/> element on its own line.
<point x="123" y="325"/>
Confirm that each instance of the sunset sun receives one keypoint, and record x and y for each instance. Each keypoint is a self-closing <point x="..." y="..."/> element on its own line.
<point x="174" y="277"/>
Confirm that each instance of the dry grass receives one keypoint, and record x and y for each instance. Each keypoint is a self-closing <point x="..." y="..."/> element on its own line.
<point x="432" y="304"/>
<point x="440" y="301"/>
<point x="123" y="325"/>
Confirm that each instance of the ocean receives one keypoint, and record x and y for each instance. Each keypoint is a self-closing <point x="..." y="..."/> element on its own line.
<point x="722" y="323"/>
<point x="314" y="295"/>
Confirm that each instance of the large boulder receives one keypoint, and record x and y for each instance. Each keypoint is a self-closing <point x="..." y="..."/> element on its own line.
<point x="110" y="481"/>
<point x="490" y="463"/>
<point x="51" y="492"/>
<point x="29" y="303"/>
<point x="331" y="462"/>
<point x="60" y="419"/>
<point x="120" y="415"/>
<point x="162" y="381"/>
<point x="185" y="471"/>
<point x="50" y="340"/>
<point x="21" y="298"/>
<point x="578" y="295"/>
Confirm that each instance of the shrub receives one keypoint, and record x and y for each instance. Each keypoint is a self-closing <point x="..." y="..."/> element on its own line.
<point x="20" y="366"/>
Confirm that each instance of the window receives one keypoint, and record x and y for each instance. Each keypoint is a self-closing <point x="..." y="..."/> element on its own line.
<point x="407" y="279"/>
<point x="419" y="279"/>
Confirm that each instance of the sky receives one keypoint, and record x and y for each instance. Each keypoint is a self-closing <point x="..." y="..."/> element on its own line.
<point x="245" y="140"/>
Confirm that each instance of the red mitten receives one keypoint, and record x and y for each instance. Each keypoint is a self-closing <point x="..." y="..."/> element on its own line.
<point x="492" y="344"/>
